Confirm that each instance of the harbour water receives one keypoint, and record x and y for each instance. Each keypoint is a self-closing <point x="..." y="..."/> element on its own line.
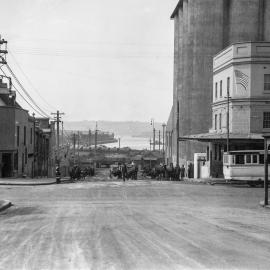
<point x="137" y="143"/>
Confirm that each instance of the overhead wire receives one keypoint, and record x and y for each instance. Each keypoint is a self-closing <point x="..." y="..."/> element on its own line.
<point x="34" y="88"/>
<point x="25" y="91"/>
<point x="17" y="91"/>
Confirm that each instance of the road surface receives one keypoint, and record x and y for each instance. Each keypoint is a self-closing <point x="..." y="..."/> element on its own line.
<point x="134" y="225"/>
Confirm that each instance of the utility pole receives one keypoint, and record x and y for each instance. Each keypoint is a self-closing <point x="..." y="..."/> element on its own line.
<point x="58" y="120"/>
<point x="163" y="140"/>
<point x="96" y="132"/>
<point x="74" y="145"/>
<point x="62" y="133"/>
<point x="34" y="143"/>
<point x="159" y="140"/>
<point x="228" y="120"/>
<point x="177" y="135"/>
<point x="3" y="51"/>
<point x="119" y="141"/>
<point x="154" y="133"/>
<point x="78" y="152"/>
<point x="266" y="170"/>
<point x="89" y="138"/>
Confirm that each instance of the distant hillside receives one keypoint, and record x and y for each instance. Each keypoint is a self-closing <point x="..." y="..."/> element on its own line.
<point x="137" y="129"/>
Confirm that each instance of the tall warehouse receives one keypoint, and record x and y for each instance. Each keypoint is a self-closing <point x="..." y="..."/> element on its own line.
<point x="202" y="29"/>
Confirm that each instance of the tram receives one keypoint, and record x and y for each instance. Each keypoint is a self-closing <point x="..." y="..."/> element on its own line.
<point x="247" y="165"/>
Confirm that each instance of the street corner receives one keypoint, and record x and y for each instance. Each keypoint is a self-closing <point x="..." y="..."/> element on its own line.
<point x="4" y="204"/>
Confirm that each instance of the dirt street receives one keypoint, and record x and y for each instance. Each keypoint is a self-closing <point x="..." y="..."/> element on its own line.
<point x="134" y="225"/>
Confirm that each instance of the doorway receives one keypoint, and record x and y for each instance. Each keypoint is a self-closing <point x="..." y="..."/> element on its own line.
<point x="6" y="165"/>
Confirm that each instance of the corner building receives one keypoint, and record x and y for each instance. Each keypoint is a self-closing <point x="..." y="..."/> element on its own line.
<point x="202" y="29"/>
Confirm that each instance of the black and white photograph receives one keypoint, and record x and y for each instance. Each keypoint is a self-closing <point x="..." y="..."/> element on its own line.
<point x="134" y="134"/>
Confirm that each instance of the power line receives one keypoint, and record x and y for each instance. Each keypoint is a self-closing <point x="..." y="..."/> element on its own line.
<point x="38" y="112"/>
<point x="25" y="91"/>
<point x="34" y="88"/>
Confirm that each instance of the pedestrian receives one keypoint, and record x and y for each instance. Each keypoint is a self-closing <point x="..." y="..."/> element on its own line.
<point x="124" y="171"/>
<point x="182" y="172"/>
<point x="177" y="172"/>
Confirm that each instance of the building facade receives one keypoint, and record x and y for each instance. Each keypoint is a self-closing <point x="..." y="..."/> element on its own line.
<point x="25" y="147"/>
<point x="240" y="105"/>
<point x="202" y="29"/>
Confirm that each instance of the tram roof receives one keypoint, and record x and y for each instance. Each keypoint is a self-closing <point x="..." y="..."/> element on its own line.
<point x="211" y="137"/>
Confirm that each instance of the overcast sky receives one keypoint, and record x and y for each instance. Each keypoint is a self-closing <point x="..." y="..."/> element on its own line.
<point x="93" y="59"/>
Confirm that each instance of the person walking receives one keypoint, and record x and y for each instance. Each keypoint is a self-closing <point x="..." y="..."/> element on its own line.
<point x="182" y="172"/>
<point x="124" y="172"/>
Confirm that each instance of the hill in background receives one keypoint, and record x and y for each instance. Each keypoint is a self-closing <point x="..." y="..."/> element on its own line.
<point x="131" y="128"/>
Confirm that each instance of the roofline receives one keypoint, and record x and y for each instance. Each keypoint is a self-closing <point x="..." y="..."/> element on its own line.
<point x="180" y="3"/>
<point x="242" y="42"/>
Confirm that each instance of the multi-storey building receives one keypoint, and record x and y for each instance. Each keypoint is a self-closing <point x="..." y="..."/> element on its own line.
<point x="202" y="29"/>
<point x="25" y="148"/>
<point x="240" y="104"/>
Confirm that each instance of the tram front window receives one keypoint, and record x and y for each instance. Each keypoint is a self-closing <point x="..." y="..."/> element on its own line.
<point x="255" y="159"/>
<point x="239" y="159"/>
<point x="248" y="159"/>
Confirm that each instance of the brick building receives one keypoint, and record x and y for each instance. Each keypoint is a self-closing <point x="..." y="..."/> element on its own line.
<point x="25" y="148"/>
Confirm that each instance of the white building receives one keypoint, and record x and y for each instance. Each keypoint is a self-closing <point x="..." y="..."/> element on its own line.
<point x="241" y="71"/>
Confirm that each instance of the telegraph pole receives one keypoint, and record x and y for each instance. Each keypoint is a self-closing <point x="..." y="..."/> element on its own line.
<point x="228" y="120"/>
<point x="89" y="138"/>
<point x="96" y="133"/>
<point x="119" y="141"/>
<point x="74" y="145"/>
<point x="154" y="134"/>
<point x="78" y="148"/>
<point x="163" y="140"/>
<point x="159" y="140"/>
<point x="177" y="135"/>
<point x="62" y="133"/>
<point x="58" y="120"/>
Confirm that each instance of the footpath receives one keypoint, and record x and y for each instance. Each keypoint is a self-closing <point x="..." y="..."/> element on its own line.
<point x="27" y="181"/>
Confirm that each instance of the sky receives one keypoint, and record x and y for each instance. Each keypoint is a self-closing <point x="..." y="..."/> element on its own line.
<point x="93" y="59"/>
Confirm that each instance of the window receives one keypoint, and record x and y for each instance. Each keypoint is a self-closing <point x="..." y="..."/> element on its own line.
<point x="220" y="89"/>
<point x="239" y="159"/>
<point x="216" y="89"/>
<point x="261" y="159"/>
<point x="255" y="159"/>
<point x="266" y="120"/>
<point x="18" y="136"/>
<point x="24" y="135"/>
<point x="228" y="84"/>
<point x="220" y="120"/>
<point x="215" y="121"/>
<point x="248" y="159"/>
<point x="267" y="82"/>
<point x="26" y="156"/>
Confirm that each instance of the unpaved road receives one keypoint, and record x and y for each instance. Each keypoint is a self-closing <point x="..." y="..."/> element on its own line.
<point x="134" y="225"/>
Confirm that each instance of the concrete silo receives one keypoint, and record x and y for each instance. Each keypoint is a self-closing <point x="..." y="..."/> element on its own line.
<point x="203" y="28"/>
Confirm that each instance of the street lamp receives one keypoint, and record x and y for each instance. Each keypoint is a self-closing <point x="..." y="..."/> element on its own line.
<point x="163" y="135"/>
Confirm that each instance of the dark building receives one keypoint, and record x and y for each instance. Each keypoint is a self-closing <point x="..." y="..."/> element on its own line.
<point x="26" y="144"/>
